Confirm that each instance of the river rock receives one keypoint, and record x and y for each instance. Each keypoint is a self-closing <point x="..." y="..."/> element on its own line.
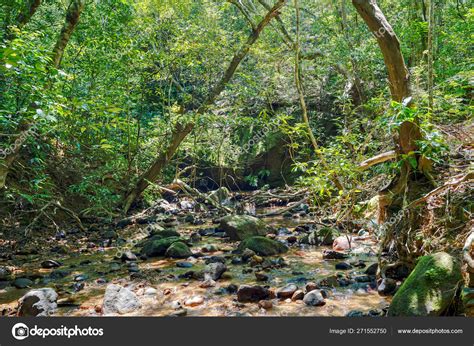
<point x="162" y="233"/>
<point x="119" y="300"/>
<point x="343" y="243"/>
<point x="287" y="291"/>
<point x="372" y="269"/>
<point x="247" y="254"/>
<point x="331" y="254"/>
<point x="178" y="250"/>
<point x="128" y="256"/>
<point x="430" y="288"/>
<point x="155" y="248"/>
<point x="343" y="266"/>
<point x="194" y="301"/>
<point x="263" y="246"/>
<point x="240" y="227"/>
<point x="5" y="273"/>
<point x="298" y="295"/>
<point x="50" y="264"/>
<point x="387" y="287"/>
<point x="22" y="283"/>
<point x="261" y="276"/>
<point x="246" y="293"/>
<point x="265" y="304"/>
<point x="215" y="270"/>
<point x="314" y="298"/>
<point x="39" y="302"/>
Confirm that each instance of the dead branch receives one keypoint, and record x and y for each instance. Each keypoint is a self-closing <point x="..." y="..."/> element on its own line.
<point x="194" y="192"/>
<point x="466" y="250"/>
<point x="454" y="182"/>
<point x="284" y="210"/>
<point x="389" y="155"/>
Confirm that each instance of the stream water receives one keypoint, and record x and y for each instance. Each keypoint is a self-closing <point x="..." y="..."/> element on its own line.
<point x="96" y="268"/>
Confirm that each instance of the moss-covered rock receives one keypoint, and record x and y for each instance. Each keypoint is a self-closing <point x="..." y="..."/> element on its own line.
<point x="156" y="235"/>
<point x="430" y="288"/>
<point x="178" y="250"/>
<point x="263" y="246"/>
<point x="240" y="227"/>
<point x="155" y="248"/>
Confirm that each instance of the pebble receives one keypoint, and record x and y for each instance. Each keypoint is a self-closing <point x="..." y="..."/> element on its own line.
<point x="184" y="264"/>
<point x="50" y="264"/>
<point x="261" y="276"/>
<point x="194" y="301"/>
<point x="265" y="304"/>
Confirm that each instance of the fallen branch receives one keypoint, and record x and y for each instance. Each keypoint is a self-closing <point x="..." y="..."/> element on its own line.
<point x="456" y="181"/>
<point x="57" y="205"/>
<point x="192" y="191"/>
<point x="284" y="210"/>
<point x="466" y="250"/>
<point x="389" y="155"/>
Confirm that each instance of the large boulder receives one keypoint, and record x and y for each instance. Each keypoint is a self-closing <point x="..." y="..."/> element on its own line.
<point x="39" y="302"/>
<point x="263" y="246"/>
<point x="119" y="300"/>
<point x="240" y="227"/>
<point x="158" y="247"/>
<point x="430" y="288"/>
<point x="178" y="250"/>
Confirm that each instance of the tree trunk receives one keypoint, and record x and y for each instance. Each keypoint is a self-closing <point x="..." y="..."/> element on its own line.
<point x="404" y="186"/>
<point x="25" y="16"/>
<point x="22" y="19"/>
<point x="181" y="131"/>
<point x="72" y="18"/>
<point x="398" y="75"/>
<point x="431" y="25"/>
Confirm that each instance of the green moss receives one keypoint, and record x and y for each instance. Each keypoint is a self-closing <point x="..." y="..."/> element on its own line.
<point x="429" y="289"/>
<point x="263" y="246"/>
<point x="240" y="227"/>
<point x="178" y="250"/>
<point x="154" y="248"/>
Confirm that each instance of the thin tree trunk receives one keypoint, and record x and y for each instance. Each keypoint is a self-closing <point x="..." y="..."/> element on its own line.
<point x="22" y="19"/>
<point x="72" y="19"/>
<point x="181" y="131"/>
<point x="431" y="25"/>
<point x="299" y="87"/>
<point x="25" y="16"/>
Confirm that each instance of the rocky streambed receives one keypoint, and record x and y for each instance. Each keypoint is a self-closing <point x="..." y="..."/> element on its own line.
<point x="174" y="263"/>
